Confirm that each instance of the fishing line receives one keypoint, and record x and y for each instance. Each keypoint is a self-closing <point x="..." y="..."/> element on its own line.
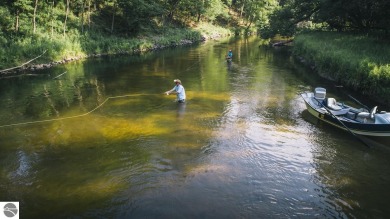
<point x="76" y="116"/>
<point x="191" y="66"/>
<point x="59" y="75"/>
<point x="81" y="115"/>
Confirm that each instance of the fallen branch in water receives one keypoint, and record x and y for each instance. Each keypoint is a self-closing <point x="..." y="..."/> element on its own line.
<point x="282" y="43"/>
<point x="59" y="75"/>
<point x="13" y="68"/>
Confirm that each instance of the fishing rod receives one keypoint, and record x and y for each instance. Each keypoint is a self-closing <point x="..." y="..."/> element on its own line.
<point x="59" y="75"/>
<point x="354" y="99"/>
<point x="357" y="101"/>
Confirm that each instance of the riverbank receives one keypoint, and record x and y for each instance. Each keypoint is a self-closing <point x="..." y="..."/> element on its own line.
<point x="63" y="50"/>
<point x="356" y="61"/>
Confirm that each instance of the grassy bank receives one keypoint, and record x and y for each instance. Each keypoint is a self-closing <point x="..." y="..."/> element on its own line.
<point x="75" y="46"/>
<point x="356" y="61"/>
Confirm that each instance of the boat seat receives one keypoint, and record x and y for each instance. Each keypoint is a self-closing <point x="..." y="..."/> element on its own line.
<point x="351" y="115"/>
<point x="365" y="117"/>
<point x="332" y="104"/>
<point x="320" y="93"/>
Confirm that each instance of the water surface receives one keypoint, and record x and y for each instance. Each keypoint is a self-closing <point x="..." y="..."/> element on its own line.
<point x="103" y="141"/>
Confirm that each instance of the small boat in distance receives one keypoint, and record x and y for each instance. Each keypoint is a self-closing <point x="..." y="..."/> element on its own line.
<point x="357" y="121"/>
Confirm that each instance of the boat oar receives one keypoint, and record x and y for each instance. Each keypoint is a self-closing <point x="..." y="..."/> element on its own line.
<point x="357" y="101"/>
<point x="342" y="123"/>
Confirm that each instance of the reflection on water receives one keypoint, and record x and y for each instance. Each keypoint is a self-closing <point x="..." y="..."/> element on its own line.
<point x="112" y="145"/>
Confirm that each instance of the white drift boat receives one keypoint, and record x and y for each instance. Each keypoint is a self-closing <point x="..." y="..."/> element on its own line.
<point x="357" y="121"/>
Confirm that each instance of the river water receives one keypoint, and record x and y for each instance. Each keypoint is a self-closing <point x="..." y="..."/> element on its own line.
<point x="99" y="139"/>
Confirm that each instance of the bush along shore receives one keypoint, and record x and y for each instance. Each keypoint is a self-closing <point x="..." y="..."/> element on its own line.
<point x="357" y="61"/>
<point x="40" y="51"/>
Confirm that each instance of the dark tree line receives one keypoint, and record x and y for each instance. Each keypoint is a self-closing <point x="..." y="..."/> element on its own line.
<point x="340" y="15"/>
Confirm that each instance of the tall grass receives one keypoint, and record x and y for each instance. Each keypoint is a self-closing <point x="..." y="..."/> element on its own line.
<point x="19" y="50"/>
<point x="357" y="61"/>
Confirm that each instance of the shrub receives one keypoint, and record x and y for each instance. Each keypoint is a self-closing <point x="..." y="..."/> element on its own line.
<point x="357" y="61"/>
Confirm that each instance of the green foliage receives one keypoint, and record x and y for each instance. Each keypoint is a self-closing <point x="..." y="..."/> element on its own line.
<point x="75" y="45"/>
<point x="213" y="9"/>
<point x="197" y="11"/>
<point x="356" y="60"/>
<point x="210" y="30"/>
<point x="137" y="13"/>
<point x="340" y="15"/>
<point x="5" y="20"/>
<point x="87" y="27"/>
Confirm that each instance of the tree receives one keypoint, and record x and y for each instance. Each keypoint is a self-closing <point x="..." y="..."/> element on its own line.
<point x="66" y="14"/>
<point x="253" y="11"/>
<point x="341" y="15"/>
<point x="138" y="13"/>
<point x="5" y="20"/>
<point x="171" y="6"/>
<point x="35" y="14"/>
<point x="213" y="8"/>
<point x="18" y="7"/>
<point x="113" y="16"/>
<point x="362" y="15"/>
<point x="207" y="9"/>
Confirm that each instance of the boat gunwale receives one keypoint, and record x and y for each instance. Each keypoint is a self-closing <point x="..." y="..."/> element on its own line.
<point x="323" y="115"/>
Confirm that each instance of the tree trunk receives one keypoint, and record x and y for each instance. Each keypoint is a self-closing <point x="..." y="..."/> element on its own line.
<point x="34" y="16"/>
<point x="242" y="9"/>
<point x="17" y="21"/>
<point x="200" y="12"/>
<point x="249" y="25"/>
<point x="89" y="14"/>
<point x="52" y="19"/>
<point x="172" y="10"/>
<point x="66" y="15"/>
<point x="82" y="17"/>
<point x="113" y="18"/>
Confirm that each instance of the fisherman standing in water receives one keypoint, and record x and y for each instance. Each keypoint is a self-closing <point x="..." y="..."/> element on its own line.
<point x="179" y="91"/>
<point x="229" y="55"/>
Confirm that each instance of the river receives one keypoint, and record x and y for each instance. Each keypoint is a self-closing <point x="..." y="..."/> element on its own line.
<point x="99" y="139"/>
